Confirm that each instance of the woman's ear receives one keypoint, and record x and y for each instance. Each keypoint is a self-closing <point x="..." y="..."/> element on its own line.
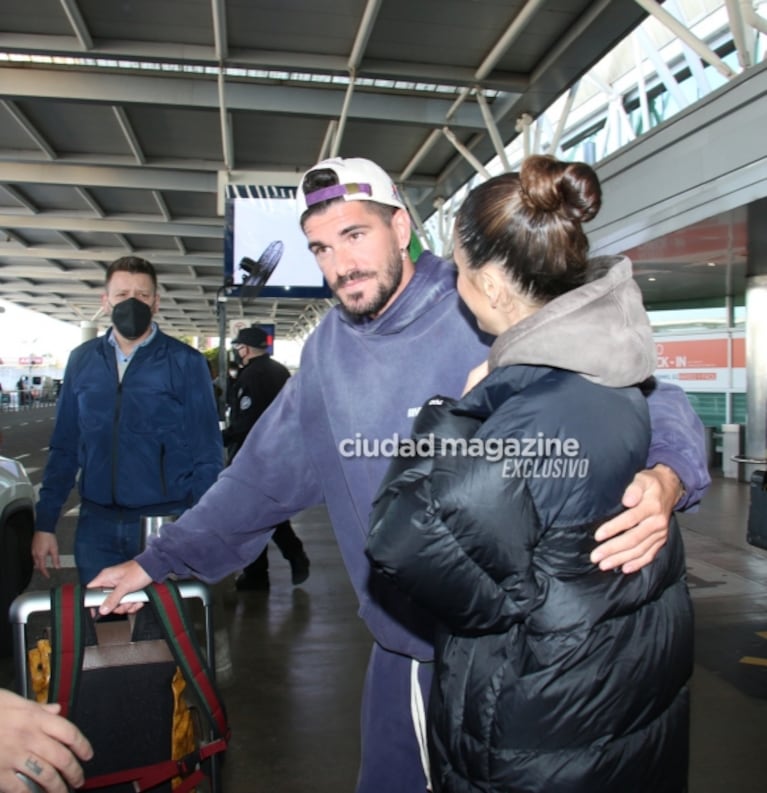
<point x="491" y="283"/>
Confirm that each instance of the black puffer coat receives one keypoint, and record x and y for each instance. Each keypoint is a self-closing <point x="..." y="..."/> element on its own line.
<point x="551" y="675"/>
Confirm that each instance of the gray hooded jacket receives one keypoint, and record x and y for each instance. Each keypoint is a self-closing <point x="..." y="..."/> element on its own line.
<point x="600" y="330"/>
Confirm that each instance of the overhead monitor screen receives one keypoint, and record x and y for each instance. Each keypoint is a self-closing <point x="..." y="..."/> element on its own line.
<point x="265" y="251"/>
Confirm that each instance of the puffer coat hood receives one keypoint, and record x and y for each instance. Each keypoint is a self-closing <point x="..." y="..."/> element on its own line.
<point x="582" y="329"/>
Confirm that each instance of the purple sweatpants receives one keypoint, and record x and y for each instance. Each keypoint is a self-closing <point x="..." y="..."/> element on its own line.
<point x="391" y="758"/>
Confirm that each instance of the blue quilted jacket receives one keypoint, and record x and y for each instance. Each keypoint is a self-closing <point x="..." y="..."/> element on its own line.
<point x="150" y="443"/>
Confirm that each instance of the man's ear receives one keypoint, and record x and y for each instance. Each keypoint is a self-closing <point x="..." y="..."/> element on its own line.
<point x="400" y="221"/>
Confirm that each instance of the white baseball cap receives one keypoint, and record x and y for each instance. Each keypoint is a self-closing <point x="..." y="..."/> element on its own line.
<point x="358" y="180"/>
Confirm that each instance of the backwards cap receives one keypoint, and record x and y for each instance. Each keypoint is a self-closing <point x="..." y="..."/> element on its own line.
<point x="358" y="180"/>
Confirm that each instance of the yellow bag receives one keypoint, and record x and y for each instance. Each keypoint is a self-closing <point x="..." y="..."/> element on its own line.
<point x="39" y="660"/>
<point x="183" y="735"/>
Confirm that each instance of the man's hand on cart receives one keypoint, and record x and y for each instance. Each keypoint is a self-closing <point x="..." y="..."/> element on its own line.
<point x="122" y="579"/>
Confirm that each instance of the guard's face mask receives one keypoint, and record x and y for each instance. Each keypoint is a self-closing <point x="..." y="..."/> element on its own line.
<point x="131" y="318"/>
<point x="237" y="355"/>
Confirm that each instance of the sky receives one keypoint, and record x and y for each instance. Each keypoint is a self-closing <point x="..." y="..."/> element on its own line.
<point x="24" y="333"/>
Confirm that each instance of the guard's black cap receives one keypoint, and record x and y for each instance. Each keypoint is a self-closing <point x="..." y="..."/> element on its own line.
<point x="253" y="336"/>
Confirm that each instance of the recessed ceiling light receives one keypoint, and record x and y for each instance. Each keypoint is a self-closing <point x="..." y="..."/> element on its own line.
<point x="651" y="278"/>
<point x="711" y="264"/>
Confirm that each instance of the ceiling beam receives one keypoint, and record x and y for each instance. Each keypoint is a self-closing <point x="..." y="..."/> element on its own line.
<point x="61" y="221"/>
<point x="78" y="23"/>
<point x="129" y="134"/>
<point x="321" y="99"/>
<point x="78" y="175"/>
<point x="103" y="253"/>
<point x="265" y="60"/>
<point x="90" y="201"/>
<point x="21" y="199"/>
<point x="28" y="127"/>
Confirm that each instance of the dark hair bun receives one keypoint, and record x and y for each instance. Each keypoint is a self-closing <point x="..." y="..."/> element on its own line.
<point x="549" y="185"/>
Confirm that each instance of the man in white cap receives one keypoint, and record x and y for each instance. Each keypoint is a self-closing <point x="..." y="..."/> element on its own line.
<point x="398" y="336"/>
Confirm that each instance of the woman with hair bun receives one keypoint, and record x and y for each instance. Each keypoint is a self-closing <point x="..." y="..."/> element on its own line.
<point x="551" y="675"/>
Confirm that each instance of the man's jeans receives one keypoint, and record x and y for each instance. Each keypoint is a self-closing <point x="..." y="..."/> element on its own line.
<point x="104" y="538"/>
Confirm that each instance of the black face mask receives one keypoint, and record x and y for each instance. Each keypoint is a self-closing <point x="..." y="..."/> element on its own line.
<point x="131" y="318"/>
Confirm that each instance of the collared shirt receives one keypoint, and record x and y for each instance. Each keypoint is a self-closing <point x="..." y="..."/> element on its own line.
<point x="120" y="357"/>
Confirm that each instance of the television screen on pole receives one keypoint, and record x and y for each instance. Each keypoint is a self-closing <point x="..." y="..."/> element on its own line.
<point x="265" y="252"/>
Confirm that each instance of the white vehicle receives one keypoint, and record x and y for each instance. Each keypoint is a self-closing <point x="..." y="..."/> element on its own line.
<point x="17" y="522"/>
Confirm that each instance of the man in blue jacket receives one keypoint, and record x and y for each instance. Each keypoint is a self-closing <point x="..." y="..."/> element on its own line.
<point x="137" y="420"/>
<point x="398" y="336"/>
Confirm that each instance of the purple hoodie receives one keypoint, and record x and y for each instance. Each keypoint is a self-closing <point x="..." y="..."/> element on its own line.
<point x="329" y="436"/>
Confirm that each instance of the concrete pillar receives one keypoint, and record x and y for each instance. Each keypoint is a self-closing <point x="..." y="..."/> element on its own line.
<point x="88" y="330"/>
<point x="756" y="335"/>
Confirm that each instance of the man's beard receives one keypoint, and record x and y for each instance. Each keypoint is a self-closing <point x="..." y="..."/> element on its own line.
<point x="387" y="285"/>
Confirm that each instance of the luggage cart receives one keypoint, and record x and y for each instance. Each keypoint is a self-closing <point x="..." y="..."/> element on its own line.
<point x="39" y="602"/>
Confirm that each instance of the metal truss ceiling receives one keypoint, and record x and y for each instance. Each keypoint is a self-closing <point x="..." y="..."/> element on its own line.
<point x="121" y="153"/>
